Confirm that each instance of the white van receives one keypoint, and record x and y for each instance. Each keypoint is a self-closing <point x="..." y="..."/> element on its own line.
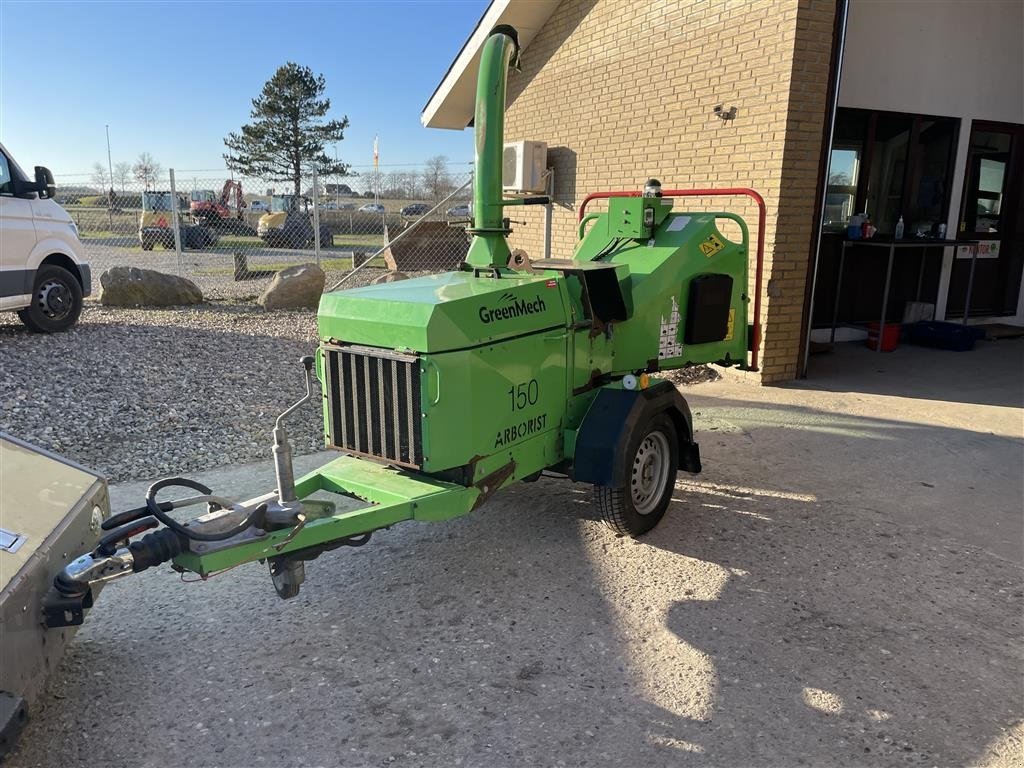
<point x="42" y="273"/>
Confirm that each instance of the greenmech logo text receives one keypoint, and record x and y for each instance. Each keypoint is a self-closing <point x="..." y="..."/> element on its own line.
<point x="511" y="307"/>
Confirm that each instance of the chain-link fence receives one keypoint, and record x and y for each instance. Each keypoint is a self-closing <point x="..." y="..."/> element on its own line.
<point x="231" y="236"/>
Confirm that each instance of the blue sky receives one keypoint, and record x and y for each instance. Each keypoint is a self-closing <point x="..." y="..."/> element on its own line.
<point x="173" y="78"/>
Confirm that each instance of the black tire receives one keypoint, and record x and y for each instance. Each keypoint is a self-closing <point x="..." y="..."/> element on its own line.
<point x="56" y="301"/>
<point x="637" y="506"/>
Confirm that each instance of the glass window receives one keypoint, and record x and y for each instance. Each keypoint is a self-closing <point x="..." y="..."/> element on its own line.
<point x="884" y="198"/>
<point x="888" y="165"/>
<point x="990" y="193"/>
<point x="925" y="207"/>
<point x="841" y="193"/>
<point x="987" y="159"/>
<point x="5" y="176"/>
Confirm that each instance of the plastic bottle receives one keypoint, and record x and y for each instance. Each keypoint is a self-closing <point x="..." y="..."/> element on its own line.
<point x="899" y="229"/>
<point x="853" y="228"/>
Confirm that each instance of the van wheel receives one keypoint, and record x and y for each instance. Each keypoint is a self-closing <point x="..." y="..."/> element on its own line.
<point x="636" y="507"/>
<point x="56" y="301"/>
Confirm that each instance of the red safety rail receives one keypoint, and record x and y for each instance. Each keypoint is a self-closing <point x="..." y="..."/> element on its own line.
<point x="762" y="216"/>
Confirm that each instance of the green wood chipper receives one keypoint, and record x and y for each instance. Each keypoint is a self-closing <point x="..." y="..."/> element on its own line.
<point x="440" y="391"/>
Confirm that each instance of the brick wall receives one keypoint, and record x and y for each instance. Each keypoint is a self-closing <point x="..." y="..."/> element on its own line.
<point x="622" y="91"/>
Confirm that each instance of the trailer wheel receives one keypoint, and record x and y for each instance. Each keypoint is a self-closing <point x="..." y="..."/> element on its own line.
<point x="636" y="507"/>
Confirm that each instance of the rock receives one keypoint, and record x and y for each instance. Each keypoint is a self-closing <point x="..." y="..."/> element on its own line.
<point x="390" y="277"/>
<point x="133" y="287"/>
<point x="295" y="287"/>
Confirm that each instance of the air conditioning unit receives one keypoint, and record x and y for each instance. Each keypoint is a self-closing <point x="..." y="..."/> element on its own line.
<point x="522" y="167"/>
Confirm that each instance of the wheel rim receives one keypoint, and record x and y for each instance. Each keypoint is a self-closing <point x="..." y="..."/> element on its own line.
<point x="650" y="472"/>
<point x="55" y="300"/>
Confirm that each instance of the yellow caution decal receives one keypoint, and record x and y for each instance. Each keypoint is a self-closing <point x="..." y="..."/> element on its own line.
<point x="731" y="327"/>
<point x="711" y="245"/>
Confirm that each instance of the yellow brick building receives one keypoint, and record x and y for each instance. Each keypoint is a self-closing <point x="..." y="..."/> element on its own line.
<point x="624" y="90"/>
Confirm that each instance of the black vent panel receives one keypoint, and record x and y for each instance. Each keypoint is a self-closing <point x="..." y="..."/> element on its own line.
<point x="373" y="404"/>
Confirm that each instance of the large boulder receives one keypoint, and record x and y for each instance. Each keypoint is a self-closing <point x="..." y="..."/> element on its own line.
<point x="295" y="287"/>
<point x="134" y="287"/>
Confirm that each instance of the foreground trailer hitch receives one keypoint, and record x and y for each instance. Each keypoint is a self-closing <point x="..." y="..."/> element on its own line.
<point x="117" y="555"/>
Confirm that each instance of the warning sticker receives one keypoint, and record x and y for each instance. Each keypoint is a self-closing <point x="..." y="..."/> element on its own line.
<point x="668" y="345"/>
<point x="731" y="326"/>
<point x="710" y="246"/>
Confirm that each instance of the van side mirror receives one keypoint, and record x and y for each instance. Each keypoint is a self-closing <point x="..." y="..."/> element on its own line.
<point x="47" y="186"/>
<point x="43" y="185"/>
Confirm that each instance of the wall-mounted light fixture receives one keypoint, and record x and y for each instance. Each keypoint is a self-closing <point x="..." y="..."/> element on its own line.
<point x="725" y="114"/>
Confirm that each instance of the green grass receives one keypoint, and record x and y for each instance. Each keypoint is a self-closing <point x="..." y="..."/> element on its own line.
<point x="99" y="234"/>
<point x="348" y="241"/>
<point x="231" y="243"/>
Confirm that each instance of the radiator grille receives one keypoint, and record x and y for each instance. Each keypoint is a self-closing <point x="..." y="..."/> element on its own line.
<point x="373" y="404"/>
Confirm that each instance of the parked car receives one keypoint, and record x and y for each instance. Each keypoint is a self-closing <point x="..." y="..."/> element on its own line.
<point x="43" y="273"/>
<point x="462" y="211"/>
<point x="258" y="205"/>
<point x="371" y="208"/>
<point x="415" y="209"/>
<point x="346" y="206"/>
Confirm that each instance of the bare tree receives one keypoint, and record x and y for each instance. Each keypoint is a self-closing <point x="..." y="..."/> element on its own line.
<point x="100" y="179"/>
<point x="122" y="173"/>
<point x="146" y="170"/>
<point x="436" y="180"/>
<point x="409" y="182"/>
<point x="394" y="186"/>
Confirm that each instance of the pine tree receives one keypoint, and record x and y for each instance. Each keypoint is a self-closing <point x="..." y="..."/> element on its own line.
<point x="288" y="132"/>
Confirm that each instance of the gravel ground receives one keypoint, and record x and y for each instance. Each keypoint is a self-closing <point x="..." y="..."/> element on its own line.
<point x="146" y="393"/>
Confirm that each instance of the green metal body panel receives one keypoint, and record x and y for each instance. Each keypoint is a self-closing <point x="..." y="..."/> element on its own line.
<point x="505" y="364"/>
<point x="509" y="364"/>
<point x="516" y="356"/>
<point x="635" y="217"/>
<point x="660" y="271"/>
<point x="440" y="313"/>
<point x="485" y="400"/>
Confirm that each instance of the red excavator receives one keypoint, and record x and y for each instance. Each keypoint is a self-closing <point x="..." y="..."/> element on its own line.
<point x="210" y="210"/>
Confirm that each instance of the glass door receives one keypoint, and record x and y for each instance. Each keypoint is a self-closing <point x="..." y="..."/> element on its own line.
<point x="991" y="212"/>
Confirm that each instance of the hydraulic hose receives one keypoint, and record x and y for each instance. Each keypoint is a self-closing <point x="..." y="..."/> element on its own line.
<point x="155" y="510"/>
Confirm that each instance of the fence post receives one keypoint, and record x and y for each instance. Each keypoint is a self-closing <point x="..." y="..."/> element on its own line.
<point x="175" y="223"/>
<point x="316" y="217"/>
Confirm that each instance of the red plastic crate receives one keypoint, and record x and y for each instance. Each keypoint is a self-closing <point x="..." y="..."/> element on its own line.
<point x="890" y="336"/>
